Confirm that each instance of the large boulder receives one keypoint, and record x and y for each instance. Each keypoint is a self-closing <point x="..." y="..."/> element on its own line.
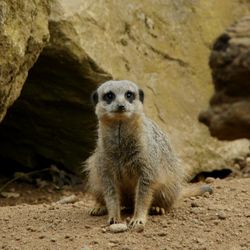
<point x="228" y="116"/>
<point x="162" y="46"/>
<point x="23" y="34"/>
<point x="53" y="120"/>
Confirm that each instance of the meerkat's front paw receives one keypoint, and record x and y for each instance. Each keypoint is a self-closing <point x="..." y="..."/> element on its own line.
<point x="137" y="223"/>
<point x="157" y="211"/>
<point x="98" y="211"/>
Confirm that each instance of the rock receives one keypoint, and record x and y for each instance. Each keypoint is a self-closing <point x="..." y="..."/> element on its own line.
<point x="162" y="234"/>
<point x="118" y="228"/>
<point x="248" y="161"/>
<point x="93" y="41"/>
<point x="23" y="34"/>
<point x="221" y="215"/>
<point x="69" y="199"/>
<point x="194" y="204"/>
<point x="228" y="115"/>
<point x="209" y="180"/>
<point x="10" y="194"/>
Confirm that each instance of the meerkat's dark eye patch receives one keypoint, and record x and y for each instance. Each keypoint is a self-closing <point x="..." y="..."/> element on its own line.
<point x="109" y="97"/>
<point x="130" y="96"/>
<point x="94" y="97"/>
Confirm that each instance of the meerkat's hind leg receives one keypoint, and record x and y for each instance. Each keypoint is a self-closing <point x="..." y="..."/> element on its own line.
<point x="99" y="208"/>
<point x="163" y="200"/>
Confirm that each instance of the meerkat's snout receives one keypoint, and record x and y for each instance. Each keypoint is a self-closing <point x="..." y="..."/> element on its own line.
<point x="121" y="108"/>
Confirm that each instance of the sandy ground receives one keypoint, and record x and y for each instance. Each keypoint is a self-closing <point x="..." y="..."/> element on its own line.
<point x="218" y="221"/>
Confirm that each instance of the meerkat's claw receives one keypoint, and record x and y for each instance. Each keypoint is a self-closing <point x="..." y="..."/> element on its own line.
<point x="113" y="220"/>
<point x="137" y="223"/>
<point x="98" y="211"/>
<point x="157" y="211"/>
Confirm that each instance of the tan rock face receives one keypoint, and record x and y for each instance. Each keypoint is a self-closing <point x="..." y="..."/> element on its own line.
<point x="228" y="116"/>
<point x="23" y="34"/>
<point x="163" y="47"/>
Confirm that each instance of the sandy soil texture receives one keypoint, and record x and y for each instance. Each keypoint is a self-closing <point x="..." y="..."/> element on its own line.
<point x="218" y="221"/>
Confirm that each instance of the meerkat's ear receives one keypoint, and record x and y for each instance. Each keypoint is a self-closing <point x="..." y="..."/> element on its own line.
<point x="94" y="97"/>
<point x="141" y="95"/>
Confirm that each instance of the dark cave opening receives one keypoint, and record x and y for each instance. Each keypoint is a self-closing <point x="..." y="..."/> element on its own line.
<point x="52" y="122"/>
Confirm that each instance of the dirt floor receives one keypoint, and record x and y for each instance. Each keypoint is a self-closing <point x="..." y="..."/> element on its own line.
<point x="217" y="221"/>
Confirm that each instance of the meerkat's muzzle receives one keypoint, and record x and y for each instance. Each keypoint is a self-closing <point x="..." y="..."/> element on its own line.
<point x="120" y="108"/>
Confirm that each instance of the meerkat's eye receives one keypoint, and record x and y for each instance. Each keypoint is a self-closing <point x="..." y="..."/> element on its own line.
<point x="130" y="96"/>
<point x="109" y="97"/>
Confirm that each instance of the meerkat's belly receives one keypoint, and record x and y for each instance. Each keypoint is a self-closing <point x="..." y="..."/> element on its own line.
<point x="127" y="188"/>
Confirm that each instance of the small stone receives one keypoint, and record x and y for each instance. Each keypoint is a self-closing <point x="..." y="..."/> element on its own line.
<point x="209" y="180"/>
<point x="68" y="199"/>
<point x="31" y="229"/>
<point x="200" y="241"/>
<point x="221" y="216"/>
<point x="124" y="42"/>
<point x="139" y="228"/>
<point x="41" y="237"/>
<point x="85" y="248"/>
<point x="237" y="166"/>
<point x="194" y="211"/>
<point x="118" y="228"/>
<point x="194" y="204"/>
<point x="248" y="161"/>
<point x="216" y="222"/>
<point x="9" y="194"/>
<point x="206" y="195"/>
<point x="126" y="248"/>
<point x="162" y="234"/>
<point x="111" y="244"/>
<point x="53" y="240"/>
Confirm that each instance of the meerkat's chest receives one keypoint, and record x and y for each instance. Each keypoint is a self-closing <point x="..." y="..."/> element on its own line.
<point x="124" y="151"/>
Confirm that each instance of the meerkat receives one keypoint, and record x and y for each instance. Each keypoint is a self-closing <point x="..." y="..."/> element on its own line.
<point x="133" y="165"/>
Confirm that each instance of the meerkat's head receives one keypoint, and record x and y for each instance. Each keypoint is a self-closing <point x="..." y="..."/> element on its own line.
<point x="118" y="100"/>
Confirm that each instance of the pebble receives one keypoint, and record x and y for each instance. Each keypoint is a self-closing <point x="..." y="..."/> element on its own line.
<point x="206" y="195"/>
<point x="139" y="228"/>
<point x="10" y="194"/>
<point x="248" y="161"/>
<point x="194" y="204"/>
<point x="216" y="222"/>
<point x="118" y="228"/>
<point x="162" y="234"/>
<point x="68" y="199"/>
<point x="221" y="216"/>
<point x="209" y="180"/>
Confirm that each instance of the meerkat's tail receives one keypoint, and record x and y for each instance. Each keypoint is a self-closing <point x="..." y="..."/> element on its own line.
<point x="195" y="190"/>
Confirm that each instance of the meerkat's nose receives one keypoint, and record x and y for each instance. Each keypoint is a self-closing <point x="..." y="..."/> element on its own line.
<point x="121" y="108"/>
